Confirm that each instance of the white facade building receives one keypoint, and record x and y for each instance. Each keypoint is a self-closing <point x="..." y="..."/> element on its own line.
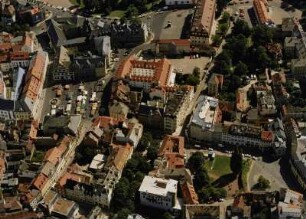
<point x="159" y="193"/>
<point x="203" y="119"/>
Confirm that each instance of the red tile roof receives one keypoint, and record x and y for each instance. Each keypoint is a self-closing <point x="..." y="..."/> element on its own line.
<point x="267" y="136"/>
<point x="105" y="121"/>
<point x="189" y="194"/>
<point x="179" y="42"/>
<point x="161" y="70"/>
<point x="40" y="181"/>
<point x="123" y="153"/>
<point x="53" y="155"/>
<point x="19" y="55"/>
<point x="172" y="144"/>
<point x="261" y="11"/>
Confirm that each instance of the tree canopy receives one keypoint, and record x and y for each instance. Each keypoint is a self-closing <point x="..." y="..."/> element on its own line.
<point x="196" y="161"/>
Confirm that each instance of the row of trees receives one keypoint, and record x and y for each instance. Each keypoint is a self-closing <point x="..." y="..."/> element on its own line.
<point x="132" y="7"/>
<point x="202" y="182"/>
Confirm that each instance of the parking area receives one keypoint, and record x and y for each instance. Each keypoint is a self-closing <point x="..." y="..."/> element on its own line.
<point x="243" y="9"/>
<point x="83" y="98"/>
<point x="187" y="64"/>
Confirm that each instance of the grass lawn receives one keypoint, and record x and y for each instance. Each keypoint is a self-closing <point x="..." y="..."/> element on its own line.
<point x="244" y="174"/>
<point x="117" y="13"/>
<point x="219" y="167"/>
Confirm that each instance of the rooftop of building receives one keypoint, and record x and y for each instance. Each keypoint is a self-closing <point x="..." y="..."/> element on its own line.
<point x="172" y="144"/>
<point x="261" y="10"/>
<point x="245" y="130"/>
<point x="205" y="112"/>
<point x="40" y="181"/>
<point x="216" y="79"/>
<point x="189" y="194"/>
<point x="121" y="155"/>
<point x="175" y="101"/>
<point x="146" y="71"/>
<point x="203" y="16"/>
<point x="63" y="206"/>
<point x="157" y="186"/>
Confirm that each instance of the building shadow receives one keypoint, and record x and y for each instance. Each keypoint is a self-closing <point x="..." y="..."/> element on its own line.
<point x="224" y="180"/>
<point x="288" y="176"/>
<point x="185" y="34"/>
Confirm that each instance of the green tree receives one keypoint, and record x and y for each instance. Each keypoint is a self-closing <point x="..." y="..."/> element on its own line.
<point x="262" y="183"/>
<point x="152" y="153"/>
<point x="261" y="35"/>
<point x="132" y="11"/>
<point x="241" y="27"/>
<point x="192" y="80"/>
<point x="196" y="72"/>
<point x="262" y="57"/>
<point x="201" y="178"/>
<point x="167" y="215"/>
<point x="223" y="28"/>
<point x="241" y="69"/>
<point x="123" y="213"/>
<point x="237" y="47"/>
<point x="196" y="161"/>
<point x="236" y="161"/>
<point x="217" y="39"/>
<point x="235" y="83"/>
<point x="225" y="17"/>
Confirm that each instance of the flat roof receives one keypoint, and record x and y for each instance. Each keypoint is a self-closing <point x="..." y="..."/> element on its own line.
<point x="158" y="186"/>
<point x="205" y="112"/>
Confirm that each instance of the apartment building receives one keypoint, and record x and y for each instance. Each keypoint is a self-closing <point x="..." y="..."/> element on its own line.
<point x="81" y="186"/>
<point x="246" y="135"/>
<point x="146" y="74"/>
<point x="128" y="34"/>
<point x="177" y="106"/>
<point x="7" y="109"/>
<point x="61" y="66"/>
<point x="32" y="95"/>
<point x="16" y="50"/>
<point x="171" y="159"/>
<point x="118" y="110"/>
<point x="266" y="103"/>
<point x="290" y="205"/>
<point x="172" y="46"/>
<point x="202" y="23"/>
<point x="204" y="118"/>
<point x="189" y="194"/>
<point x="159" y="193"/>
